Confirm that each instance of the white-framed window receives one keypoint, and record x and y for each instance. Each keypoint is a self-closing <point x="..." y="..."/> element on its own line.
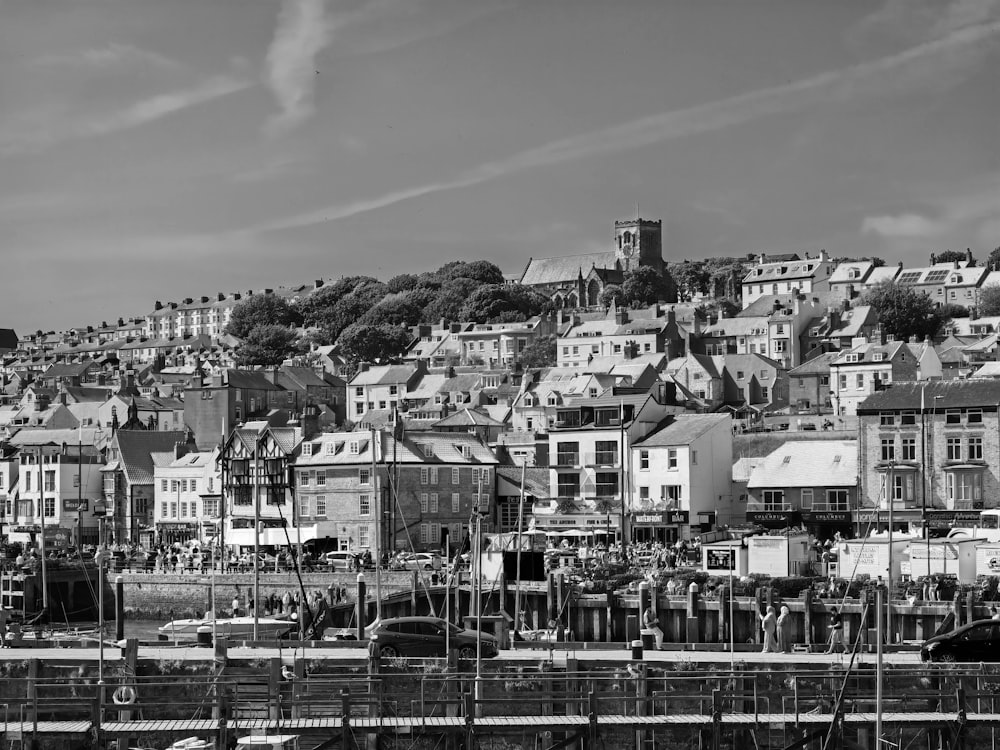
<point x="433" y="475"/>
<point x="456" y="502"/>
<point x="321" y="478"/>
<point x="364" y="477"/>
<point x="304" y="507"/>
<point x="434" y="502"/>
<point x="671" y="458"/>
<point x="807" y="498"/>
<point x="364" y="535"/>
<point x="307" y="449"/>
<point x="321" y="506"/>
<point x="424" y="475"/>
<point x="644" y="460"/>
<point x="365" y="505"/>
<point x="455" y="475"/>
<point x="424" y="502"/>
<point x="425" y="533"/>
<point x="353" y="448"/>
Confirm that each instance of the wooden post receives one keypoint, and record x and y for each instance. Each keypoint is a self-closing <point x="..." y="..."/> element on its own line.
<point x="642" y="703"/>
<point x="592" y="717"/>
<point x="724" y="621"/>
<point x="561" y="602"/>
<point x="119" y="608"/>
<point x="692" y="632"/>
<point x="552" y="608"/>
<point x="274" y="688"/>
<point x="807" y="617"/>
<point x="361" y="607"/>
<point x="345" y="719"/>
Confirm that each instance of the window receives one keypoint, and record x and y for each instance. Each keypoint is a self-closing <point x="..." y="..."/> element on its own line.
<point x="429" y="451"/>
<point x="173" y="509"/>
<point x="304" y="479"/>
<point x="644" y="460"/>
<point x="307" y="449"/>
<point x="455" y="473"/>
<point x="163" y="485"/>
<point x="321" y="506"/>
<point x="694" y="458"/>
<point x="974" y="416"/>
<point x="671" y="458"/>
<point x="975" y="449"/>
<point x="568" y="485"/>
<point x="434" y="508"/>
<point x="902" y="487"/>
<point x="908" y="417"/>
<point x="953" y="448"/>
<point x="50" y="481"/>
<point x="359" y="391"/>
<point x="963" y="486"/>
<point x="843" y="382"/>
<point x="365" y="504"/>
<point x="860" y="380"/>
<point x="644" y="493"/>
<point x="364" y="477"/>
<point x="607" y="483"/>
<point x="456" y="503"/>
<point x="670" y="493"/>
<point x="887" y="420"/>
<point x="433" y="475"/>
<point x="424" y="474"/>
<point x="364" y="536"/>
<point x="837" y="500"/>
<point x="774" y="499"/>
<point x="424" y="502"/>
<point x="909" y="451"/>
<point x="807" y="498"/>
<point x="764" y="394"/>
<point x="888" y="449"/>
<point x="163" y="510"/>
<point x="607" y="452"/>
<point x="953" y="416"/>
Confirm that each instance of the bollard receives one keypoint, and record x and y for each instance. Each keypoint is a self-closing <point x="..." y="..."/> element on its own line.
<point x="361" y="606"/>
<point x="693" y="636"/>
<point x="637" y="650"/>
<point x="119" y="608"/>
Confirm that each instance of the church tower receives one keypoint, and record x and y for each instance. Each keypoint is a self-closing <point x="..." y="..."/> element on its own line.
<point x="638" y="242"/>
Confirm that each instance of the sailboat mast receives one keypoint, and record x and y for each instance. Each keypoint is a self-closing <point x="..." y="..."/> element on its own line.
<point x="256" y="534"/>
<point x="517" y="583"/>
<point x="377" y="486"/>
<point x="41" y="515"/>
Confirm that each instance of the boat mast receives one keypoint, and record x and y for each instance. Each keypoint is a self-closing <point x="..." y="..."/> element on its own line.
<point x="517" y="583"/>
<point x="377" y="487"/>
<point x="256" y="533"/>
<point x="41" y="515"/>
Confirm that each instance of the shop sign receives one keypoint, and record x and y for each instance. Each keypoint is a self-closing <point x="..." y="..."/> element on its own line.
<point x="649" y="519"/>
<point x="944" y="519"/>
<point x="26" y="529"/>
<point x="768" y="516"/>
<point x="57" y="537"/>
<point x="75" y="504"/>
<point x="176" y="526"/>
<point x="827" y="516"/>
<point x="677" y="517"/>
<point x="720" y="559"/>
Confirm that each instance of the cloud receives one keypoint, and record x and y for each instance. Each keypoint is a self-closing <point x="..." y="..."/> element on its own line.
<point x="902" y="226"/>
<point x="142" y="112"/>
<point x="303" y="30"/>
<point x="111" y="55"/>
<point x="913" y="67"/>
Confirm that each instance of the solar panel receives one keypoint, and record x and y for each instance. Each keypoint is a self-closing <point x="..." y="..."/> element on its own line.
<point x="910" y="277"/>
<point x="935" y="276"/>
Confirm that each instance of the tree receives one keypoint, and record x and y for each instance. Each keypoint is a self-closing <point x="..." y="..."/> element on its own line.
<point x="396" y="309"/>
<point x="315" y="309"/>
<point x="691" y="277"/>
<point x="989" y="300"/>
<point x="501" y="303"/>
<point x="612" y="295"/>
<point x="993" y="261"/>
<point x="479" y="270"/>
<point x="448" y="301"/>
<point x="266" y="345"/>
<point x="643" y="286"/>
<point x="539" y="353"/>
<point x="903" y="311"/>
<point x="260" y="310"/>
<point x="402" y="283"/>
<point x="951" y="310"/>
<point x="378" y="344"/>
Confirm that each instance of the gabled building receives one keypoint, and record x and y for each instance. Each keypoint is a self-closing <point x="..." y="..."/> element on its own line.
<point x="682" y="478"/>
<point x="869" y="366"/>
<point x="787" y="275"/>
<point x="187" y="493"/>
<point x="212" y="408"/>
<point x="809" y="385"/>
<point x="813" y="483"/>
<point x="381" y="387"/>
<point x="849" y="278"/>
<point x="416" y="490"/>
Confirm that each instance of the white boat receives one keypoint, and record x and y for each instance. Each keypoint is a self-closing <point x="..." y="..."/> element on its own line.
<point x="225" y="627"/>
<point x="242" y="628"/>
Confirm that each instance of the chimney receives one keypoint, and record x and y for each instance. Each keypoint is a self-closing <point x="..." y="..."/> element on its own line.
<point x="621" y="316"/>
<point x="204" y="299"/>
<point x="933" y="259"/>
<point x="220" y="296"/>
<point x="823" y="256"/>
<point x="914" y="339"/>
<point x="968" y="255"/>
<point x="188" y="300"/>
<point x="318" y="283"/>
<point x="310" y="421"/>
<point x="180" y="450"/>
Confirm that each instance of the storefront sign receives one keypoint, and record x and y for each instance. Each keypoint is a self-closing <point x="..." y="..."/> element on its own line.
<point x="162" y="526"/>
<point x="945" y="519"/>
<point x="827" y="516"/>
<point x="720" y="559"/>
<point x="26" y="529"/>
<point x="75" y="504"/>
<point x="57" y="538"/>
<point x="678" y="517"/>
<point x="783" y="518"/>
<point x="649" y="519"/>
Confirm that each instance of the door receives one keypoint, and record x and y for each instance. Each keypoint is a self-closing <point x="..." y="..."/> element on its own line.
<point x="432" y="639"/>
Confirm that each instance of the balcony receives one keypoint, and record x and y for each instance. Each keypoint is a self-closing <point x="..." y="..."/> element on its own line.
<point x="757" y="506"/>
<point x="603" y="458"/>
<point x="569" y="460"/>
<point x="822" y="506"/>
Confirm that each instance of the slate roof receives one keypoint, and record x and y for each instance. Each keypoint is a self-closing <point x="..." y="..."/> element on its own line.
<point x="764" y="306"/>
<point x="954" y="394"/>
<point x="468" y="418"/>
<point x="683" y="430"/>
<point x="68" y="369"/>
<point x="656" y="360"/>
<point x="988" y="370"/>
<point x="743" y="467"/>
<point x="565" y="268"/>
<point x="384" y="375"/>
<point x="842" y="273"/>
<point x="250" y="380"/>
<point x="882" y="273"/>
<point x="782" y="269"/>
<point x="808" y="463"/>
<point x="536" y="480"/>
<point x="297" y="378"/>
<point x="8" y="338"/>
<point x="444" y="449"/>
<point x="819" y="365"/>
<point x="135" y="448"/>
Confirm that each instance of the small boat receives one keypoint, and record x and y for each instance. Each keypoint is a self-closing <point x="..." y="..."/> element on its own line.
<point x="240" y="628"/>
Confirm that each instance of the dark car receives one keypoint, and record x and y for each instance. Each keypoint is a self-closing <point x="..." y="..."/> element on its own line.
<point x="978" y="641"/>
<point x="426" y="636"/>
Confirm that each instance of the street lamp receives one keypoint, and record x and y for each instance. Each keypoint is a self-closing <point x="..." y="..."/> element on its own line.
<point x="100" y="512"/>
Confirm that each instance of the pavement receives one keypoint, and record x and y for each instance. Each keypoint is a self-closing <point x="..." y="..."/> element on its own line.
<point x="359" y="655"/>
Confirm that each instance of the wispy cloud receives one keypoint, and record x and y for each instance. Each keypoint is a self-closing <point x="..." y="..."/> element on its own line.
<point x="899" y="226"/>
<point x="142" y="112"/>
<point x="303" y="30"/>
<point x="913" y="67"/>
<point x="111" y="55"/>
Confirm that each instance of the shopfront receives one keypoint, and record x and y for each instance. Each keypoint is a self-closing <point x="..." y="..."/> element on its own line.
<point x="661" y="526"/>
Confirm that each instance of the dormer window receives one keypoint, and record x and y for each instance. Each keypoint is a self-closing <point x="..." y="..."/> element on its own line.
<point x="428" y="451"/>
<point x="307" y="449"/>
<point x="878" y="356"/>
<point x="353" y="447"/>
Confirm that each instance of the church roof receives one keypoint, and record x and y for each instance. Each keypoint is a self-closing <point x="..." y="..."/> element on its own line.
<point x="565" y="268"/>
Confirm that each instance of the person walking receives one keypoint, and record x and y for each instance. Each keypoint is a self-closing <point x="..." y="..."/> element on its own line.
<point x="836" y="632"/>
<point x="785" y="630"/>
<point x="769" y="624"/>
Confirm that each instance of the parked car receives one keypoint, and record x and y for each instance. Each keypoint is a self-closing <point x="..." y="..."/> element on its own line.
<point x="425" y="636"/>
<point x="978" y="641"/>
<point x="339" y="560"/>
<point x="418" y="561"/>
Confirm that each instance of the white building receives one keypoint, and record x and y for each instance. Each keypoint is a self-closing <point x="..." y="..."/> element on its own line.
<point x="682" y="477"/>
<point x="186" y="496"/>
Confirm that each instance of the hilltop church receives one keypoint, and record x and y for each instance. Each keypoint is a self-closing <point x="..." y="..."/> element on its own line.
<point x="578" y="280"/>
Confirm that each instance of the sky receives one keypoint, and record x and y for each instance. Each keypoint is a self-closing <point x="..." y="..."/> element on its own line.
<point x="163" y="149"/>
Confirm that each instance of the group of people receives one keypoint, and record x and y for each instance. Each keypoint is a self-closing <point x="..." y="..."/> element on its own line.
<point x="777" y="630"/>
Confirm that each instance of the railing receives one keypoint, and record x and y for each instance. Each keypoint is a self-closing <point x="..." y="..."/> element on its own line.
<point x="568" y="459"/>
<point x="603" y="458"/>
<point x="758" y="505"/>
<point x="823" y="506"/>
